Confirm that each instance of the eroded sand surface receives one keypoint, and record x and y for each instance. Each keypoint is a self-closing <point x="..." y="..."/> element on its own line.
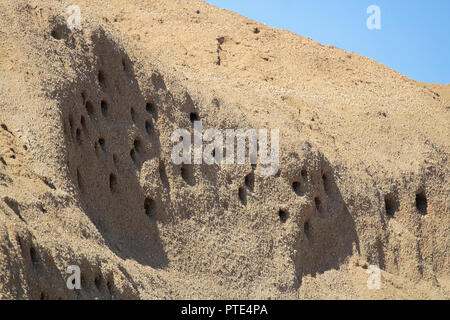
<point x="86" y="176"/>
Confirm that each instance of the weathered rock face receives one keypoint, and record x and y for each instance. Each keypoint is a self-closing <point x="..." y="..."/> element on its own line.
<point x="87" y="179"/>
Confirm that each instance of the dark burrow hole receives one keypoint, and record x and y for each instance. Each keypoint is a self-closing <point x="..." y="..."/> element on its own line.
<point x="137" y="145"/>
<point x="104" y="107"/>
<point x="250" y="181"/>
<point x="304" y="174"/>
<point x="242" y="196"/>
<point x="256" y="30"/>
<point x="125" y="65"/>
<point x="58" y="32"/>
<point x="193" y="116"/>
<point x="150" y="107"/>
<point x="102" y="144"/>
<point x="89" y="108"/>
<point x="283" y="215"/>
<point x="149" y="206"/>
<point x="390" y="205"/>
<point x="83" y="122"/>
<point x="98" y="281"/>
<point x="133" y="155"/>
<point x="297" y="187"/>
<point x="318" y="204"/>
<point x="101" y="79"/>
<point x="421" y="203"/>
<point x="112" y="182"/>
<point x="187" y="174"/>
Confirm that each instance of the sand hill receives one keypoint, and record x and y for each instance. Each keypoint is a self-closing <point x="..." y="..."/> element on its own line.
<point x="86" y="176"/>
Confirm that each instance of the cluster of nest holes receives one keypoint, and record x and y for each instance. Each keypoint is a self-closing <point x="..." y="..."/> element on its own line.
<point x="99" y="282"/>
<point x="79" y="132"/>
<point x="391" y="204"/>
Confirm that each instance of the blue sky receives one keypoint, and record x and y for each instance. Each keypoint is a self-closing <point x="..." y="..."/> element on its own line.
<point x="414" y="38"/>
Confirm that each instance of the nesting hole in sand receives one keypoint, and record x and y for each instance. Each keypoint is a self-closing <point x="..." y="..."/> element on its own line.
<point x="125" y="66"/>
<point x="101" y="79"/>
<point x="150" y="108"/>
<point x="90" y="109"/>
<point x="98" y="281"/>
<point x="242" y="196"/>
<point x="104" y="106"/>
<point x="304" y="174"/>
<point x="137" y="145"/>
<point x="390" y="206"/>
<point x="57" y="32"/>
<point x="102" y="143"/>
<point x="256" y="31"/>
<point x="318" y="204"/>
<point x="113" y="182"/>
<point x="283" y="215"/>
<point x="249" y="180"/>
<point x="193" y="116"/>
<point x="83" y="122"/>
<point x="149" y="206"/>
<point x="297" y="187"/>
<point x="421" y="203"/>
<point x="187" y="174"/>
